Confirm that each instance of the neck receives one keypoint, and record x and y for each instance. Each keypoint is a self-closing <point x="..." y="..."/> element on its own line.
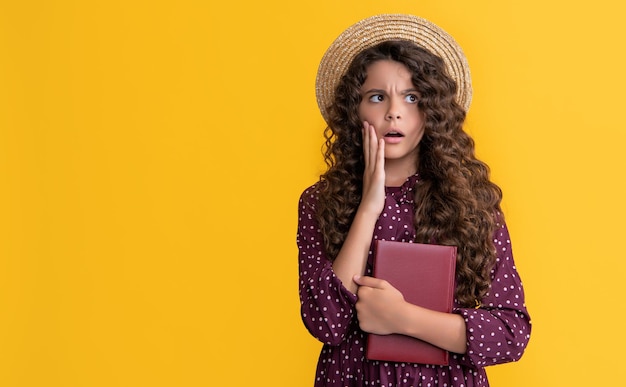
<point x="397" y="171"/>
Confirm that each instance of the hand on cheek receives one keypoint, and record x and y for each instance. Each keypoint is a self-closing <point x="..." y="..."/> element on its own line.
<point x="373" y="198"/>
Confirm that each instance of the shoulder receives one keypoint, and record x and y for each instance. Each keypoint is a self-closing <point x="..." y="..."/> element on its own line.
<point x="501" y="230"/>
<point x="307" y="208"/>
<point x="310" y="196"/>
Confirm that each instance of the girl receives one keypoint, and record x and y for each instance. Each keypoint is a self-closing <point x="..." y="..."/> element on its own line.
<point x="400" y="167"/>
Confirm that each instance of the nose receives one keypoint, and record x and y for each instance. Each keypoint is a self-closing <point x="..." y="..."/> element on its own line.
<point x="394" y="110"/>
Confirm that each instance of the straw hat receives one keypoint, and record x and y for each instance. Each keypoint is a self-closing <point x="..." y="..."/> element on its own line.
<point x="376" y="29"/>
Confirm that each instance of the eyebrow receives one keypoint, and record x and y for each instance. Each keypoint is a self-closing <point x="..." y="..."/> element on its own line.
<point x="381" y="91"/>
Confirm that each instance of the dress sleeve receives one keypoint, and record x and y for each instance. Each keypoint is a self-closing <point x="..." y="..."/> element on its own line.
<point x="499" y="330"/>
<point x="327" y="307"/>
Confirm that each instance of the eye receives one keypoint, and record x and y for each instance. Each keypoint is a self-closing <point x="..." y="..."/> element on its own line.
<point x="377" y="98"/>
<point x="411" y="98"/>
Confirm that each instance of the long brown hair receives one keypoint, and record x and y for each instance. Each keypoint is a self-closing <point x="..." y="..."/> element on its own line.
<point x="455" y="202"/>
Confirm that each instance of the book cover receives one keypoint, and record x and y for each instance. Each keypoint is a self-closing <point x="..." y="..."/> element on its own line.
<point x="425" y="275"/>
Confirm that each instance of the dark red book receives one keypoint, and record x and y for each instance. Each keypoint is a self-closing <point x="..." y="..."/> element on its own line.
<point x="424" y="274"/>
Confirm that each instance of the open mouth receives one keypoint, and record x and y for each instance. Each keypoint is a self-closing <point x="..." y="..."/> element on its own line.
<point x="394" y="134"/>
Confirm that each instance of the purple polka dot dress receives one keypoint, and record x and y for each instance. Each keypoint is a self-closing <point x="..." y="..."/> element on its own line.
<point x="498" y="332"/>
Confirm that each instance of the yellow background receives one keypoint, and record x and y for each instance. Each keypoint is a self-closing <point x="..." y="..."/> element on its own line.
<point x="152" y="154"/>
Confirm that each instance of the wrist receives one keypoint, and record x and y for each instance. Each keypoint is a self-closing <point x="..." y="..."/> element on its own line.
<point x="367" y="212"/>
<point x="407" y="319"/>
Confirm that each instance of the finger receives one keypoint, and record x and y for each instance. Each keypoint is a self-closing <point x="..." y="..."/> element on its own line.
<point x="373" y="143"/>
<point x="370" y="282"/>
<point x="380" y="154"/>
<point x="365" y="134"/>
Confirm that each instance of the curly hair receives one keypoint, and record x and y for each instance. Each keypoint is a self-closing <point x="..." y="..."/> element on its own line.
<point x="455" y="202"/>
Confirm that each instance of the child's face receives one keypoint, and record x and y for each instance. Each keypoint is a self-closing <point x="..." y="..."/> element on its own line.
<point x="389" y="103"/>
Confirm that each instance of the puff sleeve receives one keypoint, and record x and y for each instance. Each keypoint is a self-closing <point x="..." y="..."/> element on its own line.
<point x="327" y="307"/>
<point x="498" y="331"/>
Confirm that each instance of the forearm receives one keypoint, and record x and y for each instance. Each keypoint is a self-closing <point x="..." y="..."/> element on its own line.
<point x="444" y="330"/>
<point x="352" y="257"/>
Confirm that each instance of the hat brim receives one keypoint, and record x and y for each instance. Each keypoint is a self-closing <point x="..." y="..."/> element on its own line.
<point x="376" y="29"/>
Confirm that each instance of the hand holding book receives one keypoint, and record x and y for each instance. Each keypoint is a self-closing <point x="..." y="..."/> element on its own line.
<point x="379" y="306"/>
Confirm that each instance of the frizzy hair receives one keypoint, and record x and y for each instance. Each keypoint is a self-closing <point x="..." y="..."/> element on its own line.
<point x="455" y="202"/>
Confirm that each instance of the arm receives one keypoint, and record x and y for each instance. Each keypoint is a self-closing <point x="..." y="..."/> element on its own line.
<point x="496" y="333"/>
<point x="381" y="309"/>
<point x="499" y="331"/>
<point x="327" y="292"/>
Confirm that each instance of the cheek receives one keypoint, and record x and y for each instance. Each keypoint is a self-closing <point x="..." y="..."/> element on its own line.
<point x="367" y="113"/>
<point x="420" y="119"/>
<point x="362" y="112"/>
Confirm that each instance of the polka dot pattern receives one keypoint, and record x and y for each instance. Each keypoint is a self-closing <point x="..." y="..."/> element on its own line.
<point x="498" y="332"/>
